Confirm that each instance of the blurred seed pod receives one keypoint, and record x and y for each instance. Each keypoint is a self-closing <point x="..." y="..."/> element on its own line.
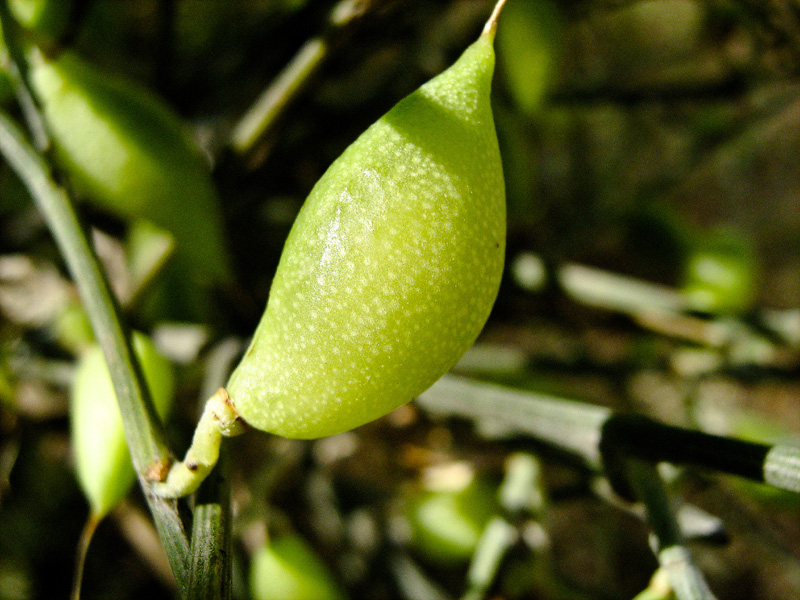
<point x="528" y="48"/>
<point x="448" y="513"/>
<point x="102" y="460"/>
<point x="128" y="153"/>
<point x="720" y="275"/>
<point x="287" y="568"/>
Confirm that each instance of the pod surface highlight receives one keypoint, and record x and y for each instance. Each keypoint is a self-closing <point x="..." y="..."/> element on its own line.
<point x="391" y="268"/>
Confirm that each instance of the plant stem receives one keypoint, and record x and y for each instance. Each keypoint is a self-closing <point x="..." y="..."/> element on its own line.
<point x="145" y="437"/>
<point x="211" y="571"/>
<point x="272" y="102"/>
<point x="270" y="105"/>
<point x="497" y="539"/>
<point x="575" y="427"/>
<point x="83" y="549"/>
<point x="685" y="578"/>
<point x="210" y="574"/>
<point x="642" y="437"/>
<point x="19" y="71"/>
<point x="491" y="25"/>
<point x="218" y="420"/>
<point x="653" y="306"/>
<point x="602" y="439"/>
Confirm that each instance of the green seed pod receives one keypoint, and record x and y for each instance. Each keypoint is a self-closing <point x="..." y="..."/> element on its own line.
<point x="287" y="568"/>
<point x="446" y="524"/>
<point x="720" y="276"/>
<point x="528" y="50"/>
<point x="127" y="152"/>
<point x="391" y="268"/>
<point x="102" y="461"/>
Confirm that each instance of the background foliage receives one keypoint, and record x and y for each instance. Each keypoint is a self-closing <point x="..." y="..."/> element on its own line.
<point x="662" y="121"/>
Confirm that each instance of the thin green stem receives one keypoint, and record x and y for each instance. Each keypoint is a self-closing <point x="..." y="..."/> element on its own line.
<point x="498" y="537"/>
<point x="145" y="437"/>
<point x="272" y="102"/>
<point x="83" y="550"/>
<point x="210" y="574"/>
<point x="603" y="439"/>
<point x="653" y="306"/>
<point x="501" y="412"/>
<point x="57" y="210"/>
<point x="218" y="420"/>
<point x="685" y="578"/>
<point x="19" y="70"/>
<point x="630" y="435"/>
<point x="596" y="287"/>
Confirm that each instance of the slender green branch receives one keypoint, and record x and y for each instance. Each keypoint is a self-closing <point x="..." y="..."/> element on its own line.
<point x="211" y="571"/>
<point x="685" y="578"/>
<point x="653" y="306"/>
<point x="272" y="102"/>
<point x="145" y="437"/>
<point x="57" y="210"/>
<point x="627" y="435"/>
<point x="210" y="574"/>
<point x="597" y="287"/>
<point x="266" y="110"/>
<point x="503" y="412"/>
<point x="649" y="489"/>
<point x="497" y="539"/>
<point x="600" y="438"/>
<point x="19" y="71"/>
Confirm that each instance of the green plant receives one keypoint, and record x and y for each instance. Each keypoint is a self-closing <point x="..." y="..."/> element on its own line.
<point x="720" y="275"/>
<point x="448" y="517"/>
<point x="288" y="568"/>
<point x="345" y="488"/>
<point x="388" y="274"/>
<point x="129" y="153"/>
<point x="102" y="459"/>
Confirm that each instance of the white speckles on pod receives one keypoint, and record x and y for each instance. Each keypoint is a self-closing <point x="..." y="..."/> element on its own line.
<point x="391" y="268"/>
